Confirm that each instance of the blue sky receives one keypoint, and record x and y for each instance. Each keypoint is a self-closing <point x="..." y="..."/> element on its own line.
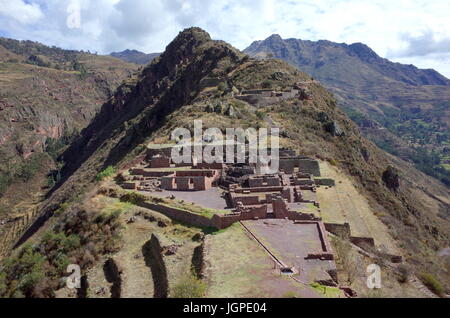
<point x="407" y="31"/>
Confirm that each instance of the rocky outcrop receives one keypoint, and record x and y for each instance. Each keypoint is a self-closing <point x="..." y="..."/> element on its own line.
<point x="391" y="178"/>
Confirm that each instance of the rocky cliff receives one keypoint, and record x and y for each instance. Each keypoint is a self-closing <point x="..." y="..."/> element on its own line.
<point x="171" y="92"/>
<point x="47" y="96"/>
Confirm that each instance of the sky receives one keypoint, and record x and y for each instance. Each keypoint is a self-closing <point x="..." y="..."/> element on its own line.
<point x="406" y="31"/>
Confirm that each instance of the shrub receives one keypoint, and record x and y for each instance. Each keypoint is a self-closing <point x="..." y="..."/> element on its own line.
<point x="404" y="273"/>
<point x="332" y="162"/>
<point x="30" y="280"/>
<point x="259" y="114"/>
<point x="290" y="294"/>
<point x="133" y="197"/>
<point x="27" y="269"/>
<point x="432" y="283"/>
<point x="29" y="169"/>
<point x="61" y="262"/>
<point x="108" y="172"/>
<point x="189" y="287"/>
<point x="222" y="87"/>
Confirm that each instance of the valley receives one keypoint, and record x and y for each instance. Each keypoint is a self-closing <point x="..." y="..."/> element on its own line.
<point x="401" y="108"/>
<point x="121" y="210"/>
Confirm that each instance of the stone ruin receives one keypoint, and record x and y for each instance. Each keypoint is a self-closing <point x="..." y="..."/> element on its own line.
<point x="264" y="97"/>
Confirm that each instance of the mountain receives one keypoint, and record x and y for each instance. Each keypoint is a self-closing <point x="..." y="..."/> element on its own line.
<point x="87" y="219"/>
<point x="134" y="56"/>
<point x="403" y="109"/>
<point x="48" y="95"/>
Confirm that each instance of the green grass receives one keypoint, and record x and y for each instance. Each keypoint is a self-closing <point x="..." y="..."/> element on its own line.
<point x="206" y="212"/>
<point x="432" y="283"/>
<point x="108" y="172"/>
<point x="189" y="287"/>
<point x="329" y="292"/>
<point x="117" y="207"/>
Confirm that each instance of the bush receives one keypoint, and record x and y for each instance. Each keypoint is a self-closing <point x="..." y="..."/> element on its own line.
<point x="189" y="287"/>
<point x="30" y="280"/>
<point x="108" y="172"/>
<point x="290" y="294"/>
<point x="29" y="169"/>
<point x="432" y="283"/>
<point x="27" y="269"/>
<point x="332" y="162"/>
<point x="61" y="262"/>
<point x="404" y="273"/>
<point x="133" y="197"/>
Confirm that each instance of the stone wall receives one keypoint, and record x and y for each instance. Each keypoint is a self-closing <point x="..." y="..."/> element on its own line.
<point x="309" y="166"/>
<point x="304" y="165"/>
<point x="210" y="166"/>
<point x="150" y="174"/>
<point x="160" y="162"/>
<point x="366" y="243"/>
<point x="247" y="200"/>
<point x="259" y="189"/>
<point x="167" y="183"/>
<point x="326" y="253"/>
<point x="280" y="208"/>
<point x="166" y="152"/>
<point x="325" y="182"/>
<point x="340" y="230"/>
<point x="129" y="185"/>
<point x="179" y="215"/>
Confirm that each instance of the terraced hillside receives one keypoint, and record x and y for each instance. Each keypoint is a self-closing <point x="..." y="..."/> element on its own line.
<point x="198" y="78"/>
<point x="403" y="109"/>
<point x="47" y="96"/>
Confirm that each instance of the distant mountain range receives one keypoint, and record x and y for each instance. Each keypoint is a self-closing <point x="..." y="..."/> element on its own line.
<point x="403" y="109"/>
<point x="85" y="217"/>
<point x="134" y="56"/>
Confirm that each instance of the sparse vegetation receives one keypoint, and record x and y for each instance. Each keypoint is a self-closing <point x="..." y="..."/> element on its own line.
<point x="133" y="197"/>
<point x="189" y="287"/>
<point x="79" y="238"/>
<point x="331" y="292"/>
<point x="108" y="172"/>
<point x="432" y="283"/>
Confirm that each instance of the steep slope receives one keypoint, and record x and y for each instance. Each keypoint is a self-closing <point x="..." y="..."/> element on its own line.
<point x="171" y="92"/>
<point x="47" y="96"/>
<point x="376" y="93"/>
<point x="134" y="56"/>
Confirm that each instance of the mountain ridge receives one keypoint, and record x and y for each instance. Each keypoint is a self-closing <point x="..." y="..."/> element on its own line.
<point x="171" y="92"/>
<point x="401" y="108"/>
<point x="48" y="95"/>
<point x="135" y="56"/>
<point x="362" y="51"/>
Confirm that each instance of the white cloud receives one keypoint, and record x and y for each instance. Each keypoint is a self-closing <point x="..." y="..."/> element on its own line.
<point x="20" y="11"/>
<point x="399" y="29"/>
